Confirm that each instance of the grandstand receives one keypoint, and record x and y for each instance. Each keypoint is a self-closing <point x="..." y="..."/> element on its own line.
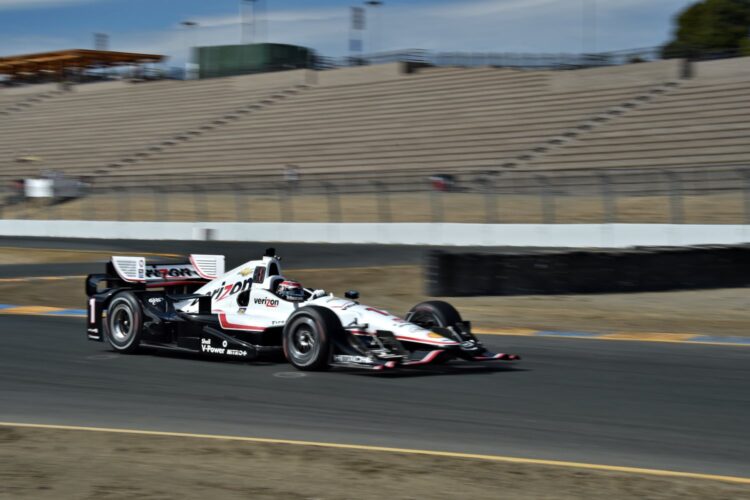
<point x="379" y="122"/>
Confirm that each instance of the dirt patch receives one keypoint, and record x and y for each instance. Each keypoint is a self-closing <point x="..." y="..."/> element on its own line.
<point x="396" y="288"/>
<point x="53" y="464"/>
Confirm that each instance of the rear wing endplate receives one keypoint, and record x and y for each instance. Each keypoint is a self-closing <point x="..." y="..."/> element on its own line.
<point x="137" y="270"/>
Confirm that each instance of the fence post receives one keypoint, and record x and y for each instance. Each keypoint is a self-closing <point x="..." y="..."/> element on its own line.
<point x="436" y="204"/>
<point x="334" y="204"/>
<point x="286" y="203"/>
<point x="676" y="208"/>
<point x="87" y="206"/>
<point x="162" y="204"/>
<point x="384" y="206"/>
<point x="239" y="203"/>
<point x="609" y="199"/>
<point x="199" y="202"/>
<point x="124" y="205"/>
<point x="745" y="173"/>
<point x="490" y="201"/>
<point x="547" y="199"/>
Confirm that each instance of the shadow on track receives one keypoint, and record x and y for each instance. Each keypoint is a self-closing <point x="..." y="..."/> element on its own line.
<point x="460" y="368"/>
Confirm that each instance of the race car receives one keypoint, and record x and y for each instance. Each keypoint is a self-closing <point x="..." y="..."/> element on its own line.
<point x="253" y="311"/>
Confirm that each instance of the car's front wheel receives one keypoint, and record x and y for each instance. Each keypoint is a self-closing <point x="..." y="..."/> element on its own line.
<point x="433" y="313"/>
<point x="307" y="338"/>
<point x="124" y="322"/>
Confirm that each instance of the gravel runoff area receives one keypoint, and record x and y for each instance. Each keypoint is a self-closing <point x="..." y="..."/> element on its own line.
<point x="53" y="464"/>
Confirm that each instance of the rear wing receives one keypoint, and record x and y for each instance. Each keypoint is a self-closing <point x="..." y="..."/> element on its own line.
<point x="199" y="268"/>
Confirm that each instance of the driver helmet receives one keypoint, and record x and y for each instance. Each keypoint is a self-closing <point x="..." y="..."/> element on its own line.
<point x="290" y="290"/>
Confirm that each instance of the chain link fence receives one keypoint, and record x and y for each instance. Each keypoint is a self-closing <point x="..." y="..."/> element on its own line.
<point x="677" y="196"/>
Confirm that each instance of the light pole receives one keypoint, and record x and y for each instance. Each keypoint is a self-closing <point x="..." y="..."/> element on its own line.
<point x="245" y="25"/>
<point x="189" y="66"/>
<point x="373" y="4"/>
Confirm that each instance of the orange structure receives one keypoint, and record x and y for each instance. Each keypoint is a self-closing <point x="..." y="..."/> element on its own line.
<point x="63" y="62"/>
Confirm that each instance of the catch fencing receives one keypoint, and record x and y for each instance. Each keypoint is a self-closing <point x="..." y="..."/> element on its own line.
<point x="688" y="195"/>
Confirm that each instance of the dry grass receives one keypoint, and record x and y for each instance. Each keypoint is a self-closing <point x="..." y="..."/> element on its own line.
<point x="401" y="207"/>
<point x="53" y="464"/>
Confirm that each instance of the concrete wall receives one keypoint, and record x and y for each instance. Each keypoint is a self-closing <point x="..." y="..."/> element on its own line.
<point x="361" y="74"/>
<point x="737" y="68"/>
<point x="513" y="235"/>
<point x="616" y="76"/>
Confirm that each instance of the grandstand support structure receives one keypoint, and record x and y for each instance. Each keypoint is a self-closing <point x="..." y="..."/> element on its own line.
<point x="593" y="123"/>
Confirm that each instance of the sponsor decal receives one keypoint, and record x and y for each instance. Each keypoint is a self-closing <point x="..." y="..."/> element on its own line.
<point x="246" y="272"/>
<point x="265" y="301"/>
<point x="155" y="300"/>
<point x="277" y="322"/>
<point x="434" y="335"/>
<point x="236" y="352"/>
<point x="167" y="272"/>
<point x="225" y="290"/>
<point x="343" y="358"/>
<point x="207" y="347"/>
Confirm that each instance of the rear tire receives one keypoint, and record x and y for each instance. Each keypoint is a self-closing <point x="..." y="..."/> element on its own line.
<point x="433" y="313"/>
<point x="124" y="323"/>
<point x="307" y="338"/>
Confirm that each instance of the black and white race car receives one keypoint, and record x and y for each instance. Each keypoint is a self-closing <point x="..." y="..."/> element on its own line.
<point x="253" y="311"/>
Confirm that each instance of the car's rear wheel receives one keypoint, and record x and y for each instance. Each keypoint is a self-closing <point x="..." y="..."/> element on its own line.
<point x="124" y="323"/>
<point x="307" y="338"/>
<point x="433" y="313"/>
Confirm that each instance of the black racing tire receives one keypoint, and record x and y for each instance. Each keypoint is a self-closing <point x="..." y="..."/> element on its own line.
<point x="433" y="313"/>
<point x="123" y="325"/>
<point x="307" y="338"/>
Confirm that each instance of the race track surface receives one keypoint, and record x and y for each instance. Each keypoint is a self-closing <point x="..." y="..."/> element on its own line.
<point x="667" y="406"/>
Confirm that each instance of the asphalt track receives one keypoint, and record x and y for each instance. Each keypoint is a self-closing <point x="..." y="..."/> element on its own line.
<point x="665" y="406"/>
<point x="638" y="404"/>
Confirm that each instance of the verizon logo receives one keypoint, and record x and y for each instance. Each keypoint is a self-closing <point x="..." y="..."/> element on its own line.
<point x="265" y="301"/>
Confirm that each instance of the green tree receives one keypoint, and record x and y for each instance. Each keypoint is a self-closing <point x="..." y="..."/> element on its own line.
<point x="710" y="25"/>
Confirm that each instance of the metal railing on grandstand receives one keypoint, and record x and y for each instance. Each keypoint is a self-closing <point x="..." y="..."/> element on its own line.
<point x="715" y="195"/>
<point x="551" y="61"/>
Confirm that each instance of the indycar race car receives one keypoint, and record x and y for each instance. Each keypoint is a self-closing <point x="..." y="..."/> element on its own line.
<point x="252" y="311"/>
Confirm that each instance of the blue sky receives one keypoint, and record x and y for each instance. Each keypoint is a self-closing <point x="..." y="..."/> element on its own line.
<point x="471" y="25"/>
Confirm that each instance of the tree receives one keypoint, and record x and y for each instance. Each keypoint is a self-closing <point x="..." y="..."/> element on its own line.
<point x="710" y="25"/>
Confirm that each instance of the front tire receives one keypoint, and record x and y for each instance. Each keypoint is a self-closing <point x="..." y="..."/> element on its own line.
<point x="124" y="323"/>
<point x="307" y="338"/>
<point x="433" y="313"/>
